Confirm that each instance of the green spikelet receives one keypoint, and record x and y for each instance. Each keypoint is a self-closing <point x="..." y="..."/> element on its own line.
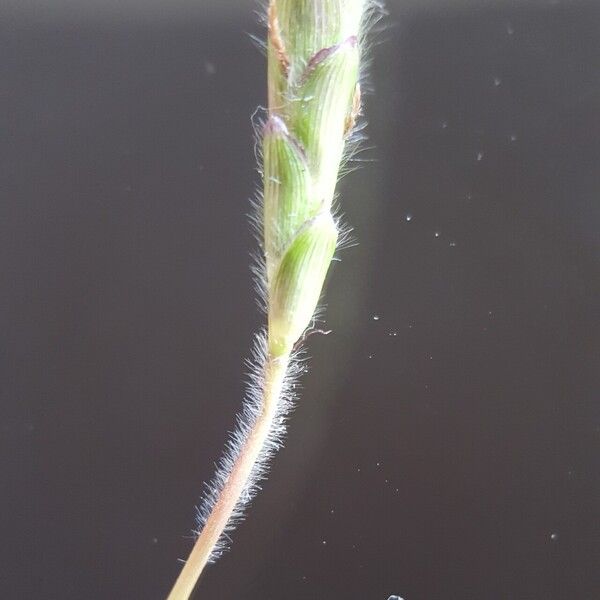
<point x="313" y="101"/>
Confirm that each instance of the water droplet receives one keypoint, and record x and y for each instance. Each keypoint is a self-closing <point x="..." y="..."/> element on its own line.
<point x="324" y="542"/>
<point x="497" y="81"/>
<point x="554" y="536"/>
<point x="370" y="356"/>
<point x="437" y="234"/>
<point x="378" y="464"/>
<point x="479" y="156"/>
<point x="409" y="217"/>
<point x="376" y="317"/>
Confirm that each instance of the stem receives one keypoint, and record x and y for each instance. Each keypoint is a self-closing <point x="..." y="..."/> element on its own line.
<point x="275" y="370"/>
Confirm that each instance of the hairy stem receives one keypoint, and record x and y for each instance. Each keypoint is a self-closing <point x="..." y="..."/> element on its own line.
<point x="274" y="376"/>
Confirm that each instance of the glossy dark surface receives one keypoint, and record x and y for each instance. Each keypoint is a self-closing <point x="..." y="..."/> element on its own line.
<point x="446" y="450"/>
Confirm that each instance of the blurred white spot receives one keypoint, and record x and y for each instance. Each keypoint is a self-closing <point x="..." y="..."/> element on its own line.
<point x="452" y="244"/>
<point x="479" y="155"/>
<point x="497" y="81"/>
<point x="209" y="68"/>
<point x="395" y="598"/>
<point x="444" y="124"/>
<point x="513" y="137"/>
<point x="376" y="317"/>
<point x="510" y="29"/>
<point x="437" y="234"/>
<point x="409" y="217"/>
<point x="554" y="536"/>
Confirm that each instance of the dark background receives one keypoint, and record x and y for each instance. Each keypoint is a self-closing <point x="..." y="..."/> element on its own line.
<point x="448" y="450"/>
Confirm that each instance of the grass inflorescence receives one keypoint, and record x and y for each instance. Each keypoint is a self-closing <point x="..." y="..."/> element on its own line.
<point x="314" y="51"/>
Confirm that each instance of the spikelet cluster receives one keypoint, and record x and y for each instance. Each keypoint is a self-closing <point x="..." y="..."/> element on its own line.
<point x="314" y="99"/>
